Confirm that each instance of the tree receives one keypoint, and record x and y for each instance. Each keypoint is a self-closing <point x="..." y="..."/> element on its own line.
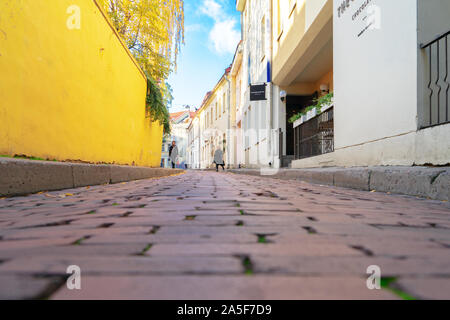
<point x="153" y="30"/>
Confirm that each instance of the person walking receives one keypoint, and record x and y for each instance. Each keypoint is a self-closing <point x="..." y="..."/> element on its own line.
<point x="173" y="154"/>
<point x="218" y="159"/>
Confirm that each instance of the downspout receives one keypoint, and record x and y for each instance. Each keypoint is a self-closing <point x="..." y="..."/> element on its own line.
<point x="229" y="119"/>
<point x="199" y="143"/>
<point x="272" y="155"/>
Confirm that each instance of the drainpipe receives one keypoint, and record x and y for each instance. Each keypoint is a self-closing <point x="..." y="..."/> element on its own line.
<point x="270" y="140"/>
<point x="229" y="119"/>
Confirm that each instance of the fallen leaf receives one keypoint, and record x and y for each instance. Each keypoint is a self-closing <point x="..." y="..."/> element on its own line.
<point x="69" y="194"/>
<point x="373" y="191"/>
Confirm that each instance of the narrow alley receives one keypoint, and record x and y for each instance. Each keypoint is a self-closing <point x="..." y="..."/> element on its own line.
<point x="207" y="235"/>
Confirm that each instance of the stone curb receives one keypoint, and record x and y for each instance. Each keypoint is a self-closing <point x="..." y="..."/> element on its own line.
<point x="433" y="183"/>
<point x="19" y="177"/>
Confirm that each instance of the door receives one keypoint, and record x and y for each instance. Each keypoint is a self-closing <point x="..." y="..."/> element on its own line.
<point x="294" y="105"/>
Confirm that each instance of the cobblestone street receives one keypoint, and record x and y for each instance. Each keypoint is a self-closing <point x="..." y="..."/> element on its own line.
<point x="207" y="235"/>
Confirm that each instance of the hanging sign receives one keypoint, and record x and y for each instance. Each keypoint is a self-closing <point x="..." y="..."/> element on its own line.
<point x="258" y="92"/>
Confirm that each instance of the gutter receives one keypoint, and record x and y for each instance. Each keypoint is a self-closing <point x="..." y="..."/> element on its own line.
<point x="227" y="78"/>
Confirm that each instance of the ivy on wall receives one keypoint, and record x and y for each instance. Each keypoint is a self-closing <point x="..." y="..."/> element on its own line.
<point x="156" y="106"/>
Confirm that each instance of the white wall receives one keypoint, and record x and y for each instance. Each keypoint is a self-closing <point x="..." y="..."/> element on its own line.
<point x="312" y="8"/>
<point x="256" y="115"/>
<point x="375" y="74"/>
<point x="379" y="87"/>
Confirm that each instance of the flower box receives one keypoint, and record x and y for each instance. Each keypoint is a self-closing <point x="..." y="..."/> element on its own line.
<point x="311" y="114"/>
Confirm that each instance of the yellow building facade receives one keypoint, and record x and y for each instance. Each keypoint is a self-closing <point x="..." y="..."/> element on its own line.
<point x="69" y="88"/>
<point x="214" y="124"/>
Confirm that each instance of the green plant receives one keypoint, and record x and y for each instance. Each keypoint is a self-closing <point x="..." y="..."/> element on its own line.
<point x="390" y="284"/>
<point x="156" y="106"/>
<point x="319" y="103"/>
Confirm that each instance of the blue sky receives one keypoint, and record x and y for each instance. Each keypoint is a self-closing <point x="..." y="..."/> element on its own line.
<point x="212" y="32"/>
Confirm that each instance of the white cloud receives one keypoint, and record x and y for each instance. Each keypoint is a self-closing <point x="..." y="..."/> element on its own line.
<point x="225" y="34"/>
<point x="193" y="28"/>
<point x="212" y="9"/>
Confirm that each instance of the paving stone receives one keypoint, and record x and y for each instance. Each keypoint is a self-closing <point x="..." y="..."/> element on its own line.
<point x="349" y="265"/>
<point x="223" y="288"/>
<point x="21" y="287"/>
<point x="114" y="265"/>
<point x="186" y="237"/>
<point x="431" y="288"/>
<point x="272" y="249"/>
<point x="129" y="249"/>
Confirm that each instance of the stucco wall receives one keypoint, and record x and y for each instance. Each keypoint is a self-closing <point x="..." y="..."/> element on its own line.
<point x="377" y="85"/>
<point x="71" y="94"/>
<point x="374" y="74"/>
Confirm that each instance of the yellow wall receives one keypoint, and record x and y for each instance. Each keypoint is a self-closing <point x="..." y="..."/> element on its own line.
<point x="71" y="94"/>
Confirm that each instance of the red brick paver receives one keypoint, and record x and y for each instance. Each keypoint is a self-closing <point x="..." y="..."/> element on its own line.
<point x="207" y="235"/>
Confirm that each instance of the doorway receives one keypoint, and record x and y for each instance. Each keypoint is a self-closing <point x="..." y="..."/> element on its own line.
<point x="294" y="105"/>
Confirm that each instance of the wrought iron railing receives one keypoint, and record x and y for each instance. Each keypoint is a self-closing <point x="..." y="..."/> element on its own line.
<point x="316" y="136"/>
<point x="437" y="112"/>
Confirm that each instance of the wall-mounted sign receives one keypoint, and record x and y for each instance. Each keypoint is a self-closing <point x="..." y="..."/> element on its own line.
<point x="258" y="92"/>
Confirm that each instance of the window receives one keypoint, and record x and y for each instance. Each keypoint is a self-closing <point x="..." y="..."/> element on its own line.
<point x="238" y="94"/>
<point x="216" y="110"/>
<point x="224" y="97"/>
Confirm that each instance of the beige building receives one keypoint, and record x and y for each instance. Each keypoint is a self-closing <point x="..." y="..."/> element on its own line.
<point x="211" y="125"/>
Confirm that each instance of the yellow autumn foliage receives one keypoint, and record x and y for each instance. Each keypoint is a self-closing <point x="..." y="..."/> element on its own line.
<point x="153" y="30"/>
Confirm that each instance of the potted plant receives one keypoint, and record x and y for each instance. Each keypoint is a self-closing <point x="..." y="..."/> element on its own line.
<point x="322" y="104"/>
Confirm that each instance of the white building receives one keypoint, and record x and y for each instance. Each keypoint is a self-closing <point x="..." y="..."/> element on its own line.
<point x="264" y="121"/>
<point x="180" y="122"/>
<point x="385" y="62"/>
<point x="237" y="151"/>
<point x="193" y="148"/>
<point x="389" y="63"/>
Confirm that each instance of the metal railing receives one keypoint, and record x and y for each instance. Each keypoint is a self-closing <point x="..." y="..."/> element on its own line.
<point x="316" y="136"/>
<point x="437" y="112"/>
